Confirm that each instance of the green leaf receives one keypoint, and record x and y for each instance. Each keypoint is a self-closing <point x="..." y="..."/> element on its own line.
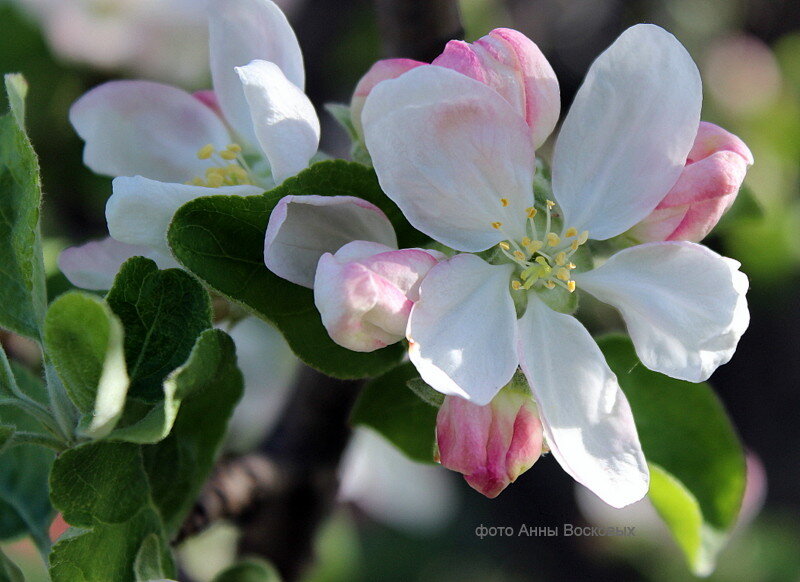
<point x="22" y="283"/>
<point x="210" y="385"/>
<point x="24" y="496"/>
<point x="221" y="240"/>
<point x="101" y="489"/>
<point x="162" y="313"/>
<point x="252" y="570"/>
<point x="84" y="340"/>
<point x="9" y="572"/>
<point x="388" y="406"/>
<point x="17" y="91"/>
<point x="205" y="366"/>
<point x="699" y="477"/>
<point x="424" y="391"/>
<point x="99" y="484"/>
<point x="6" y="434"/>
<point x="150" y="564"/>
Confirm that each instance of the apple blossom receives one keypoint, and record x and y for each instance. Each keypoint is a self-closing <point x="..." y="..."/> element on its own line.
<point x="505" y="60"/>
<point x="346" y="250"/>
<point x="705" y="190"/>
<point x="459" y="162"/>
<point x="490" y="445"/>
<point x="166" y="147"/>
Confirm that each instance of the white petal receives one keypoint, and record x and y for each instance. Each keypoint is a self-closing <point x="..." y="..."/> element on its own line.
<point x="462" y="331"/>
<point x="139" y="127"/>
<point x="446" y="149"/>
<point x="587" y="419"/>
<point x="626" y="137"/>
<point x="303" y="228"/>
<point x="95" y="264"/>
<point x="140" y="210"/>
<point x="285" y="122"/>
<point x="684" y="305"/>
<point x="241" y="31"/>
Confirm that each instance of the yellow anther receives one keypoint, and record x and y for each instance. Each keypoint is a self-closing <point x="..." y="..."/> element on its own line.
<point x="561" y="258"/>
<point x="519" y="256"/>
<point x="571" y="286"/>
<point x="497" y="225"/>
<point x="572" y="266"/>
<point x="571" y="231"/>
<point x="216" y="180"/>
<point x="213" y="171"/>
<point x="563" y="274"/>
<point x="516" y="285"/>
<point x="525" y="241"/>
<point x="228" y="155"/>
<point x="205" y="152"/>
<point x="584" y="237"/>
<point x="235" y="148"/>
<point x="196" y="182"/>
<point x="505" y="246"/>
<point x="574" y="245"/>
<point x="504" y="202"/>
<point x="550" y="203"/>
<point x="552" y="239"/>
<point x="531" y="212"/>
<point x="534" y="246"/>
<point x="550" y="285"/>
<point x="238" y="172"/>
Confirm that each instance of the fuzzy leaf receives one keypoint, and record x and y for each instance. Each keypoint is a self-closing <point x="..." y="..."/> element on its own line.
<point x="162" y="313"/>
<point x="23" y="296"/>
<point x="84" y="339"/>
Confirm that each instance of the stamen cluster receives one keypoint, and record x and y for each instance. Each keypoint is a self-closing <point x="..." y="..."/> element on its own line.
<point x="231" y="168"/>
<point x="544" y="262"/>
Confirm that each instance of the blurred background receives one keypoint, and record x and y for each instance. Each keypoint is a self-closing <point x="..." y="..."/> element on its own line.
<point x="400" y="522"/>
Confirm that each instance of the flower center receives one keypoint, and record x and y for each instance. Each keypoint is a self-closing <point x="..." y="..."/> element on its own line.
<point x="228" y="168"/>
<point x="544" y="262"/>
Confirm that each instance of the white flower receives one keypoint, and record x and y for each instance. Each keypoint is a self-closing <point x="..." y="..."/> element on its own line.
<point x="457" y="160"/>
<point x="166" y="147"/>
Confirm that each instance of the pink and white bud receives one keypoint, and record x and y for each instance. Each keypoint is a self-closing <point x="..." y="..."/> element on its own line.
<point x="364" y="292"/>
<point x="511" y="64"/>
<point x="380" y="71"/>
<point x="706" y="189"/>
<point x="505" y="60"/>
<point x="490" y="445"/>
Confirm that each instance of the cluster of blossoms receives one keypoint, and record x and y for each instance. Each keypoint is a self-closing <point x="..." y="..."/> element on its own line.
<point x="490" y="322"/>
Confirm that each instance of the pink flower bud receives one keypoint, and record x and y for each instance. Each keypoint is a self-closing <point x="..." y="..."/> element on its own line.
<point x="705" y="190"/>
<point x="365" y="292"/>
<point x="505" y="60"/>
<point x="490" y="445"/>
<point x="511" y="64"/>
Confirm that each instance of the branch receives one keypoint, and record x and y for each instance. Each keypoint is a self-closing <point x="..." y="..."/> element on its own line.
<point x="418" y="29"/>
<point x="280" y="494"/>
